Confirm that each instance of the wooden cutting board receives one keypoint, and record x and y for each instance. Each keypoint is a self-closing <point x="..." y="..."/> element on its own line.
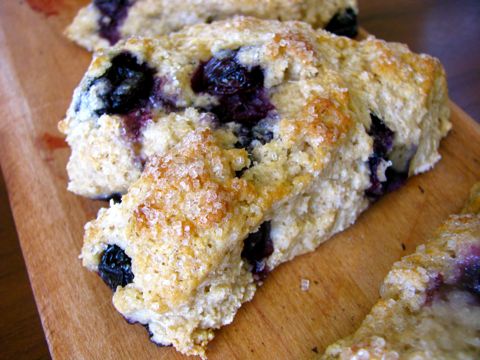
<point x="39" y="69"/>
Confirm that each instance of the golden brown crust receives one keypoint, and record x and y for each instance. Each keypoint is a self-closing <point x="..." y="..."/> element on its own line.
<point x="195" y="194"/>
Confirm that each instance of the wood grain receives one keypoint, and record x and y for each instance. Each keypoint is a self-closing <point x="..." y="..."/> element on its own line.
<point x="36" y="82"/>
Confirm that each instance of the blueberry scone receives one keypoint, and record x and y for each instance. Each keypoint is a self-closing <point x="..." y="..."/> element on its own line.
<point x="430" y="300"/>
<point x="142" y="96"/>
<point x="105" y="22"/>
<point x="242" y="144"/>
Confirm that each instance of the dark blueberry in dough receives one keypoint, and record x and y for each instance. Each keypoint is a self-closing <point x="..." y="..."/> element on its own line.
<point x="434" y="287"/>
<point x="116" y="197"/>
<point x="382" y="146"/>
<point x="225" y="76"/>
<point x="244" y="107"/>
<point x="470" y="279"/>
<point x="240" y="92"/>
<point x="376" y="187"/>
<point x="158" y="97"/>
<point x="247" y="137"/>
<point x="115" y="267"/>
<point x="260" y="270"/>
<point x="257" y="247"/>
<point x="110" y="7"/>
<point x="395" y="179"/>
<point x="244" y="137"/>
<point x="113" y="13"/>
<point x="344" y="23"/>
<point x="382" y="136"/>
<point x="126" y="85"/>
<point x="262" y="133"/>
<point x="135" y="121"/>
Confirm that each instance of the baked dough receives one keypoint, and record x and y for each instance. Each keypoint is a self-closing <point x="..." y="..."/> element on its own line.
<point x="322" y="125"/>
<point x="104" y="22"/>
<point x="404" y="91"/>
<point x="430" y="300"/>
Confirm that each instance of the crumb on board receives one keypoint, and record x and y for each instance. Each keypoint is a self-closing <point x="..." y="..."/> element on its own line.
<point x="305" y="284"/>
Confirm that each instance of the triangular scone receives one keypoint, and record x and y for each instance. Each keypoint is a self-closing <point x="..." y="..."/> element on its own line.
<point x="206" y="221"/>
<point x="227" y="201"/>
<point x="246" y="76"/>
<point x="105" y="22"/>
<point x="430" y="300"/>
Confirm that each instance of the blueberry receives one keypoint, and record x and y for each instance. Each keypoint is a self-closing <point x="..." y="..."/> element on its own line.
<point x="395" y="179"/>
<point x="225" y="76"/>
<point x="262" y="134"/>
<point x="246" y="136"/>
<point x="240" y="92"/>
<point x="257" y="247"/>
<point x="344" y="23"/>
<point x="434" y="288"/>
<point x="116" y="197"/>
<point x="376" y="187"/>
<point x="244" y="107"/>
<point x="115" y="267"/>
<point x="382" y="146"/>
<point x="158" y="97"/>
<point x="470" y="278"/>
<point x="110" y="7"/>
<point x="382" y="136"/>
<point x="113" y="13"/>
<point x="135" y="121"/>
<point x="127" y="85"/>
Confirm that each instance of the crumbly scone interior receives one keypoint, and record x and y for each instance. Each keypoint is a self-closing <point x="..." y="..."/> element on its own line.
<point x="429" y="306"/>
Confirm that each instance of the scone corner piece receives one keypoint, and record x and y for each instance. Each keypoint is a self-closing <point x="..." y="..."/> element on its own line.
<point x="429" y="306"/>
<point x="194" y="280"/>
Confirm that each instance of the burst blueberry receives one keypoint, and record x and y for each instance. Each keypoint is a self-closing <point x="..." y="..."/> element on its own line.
<point x="240" y="92"/>
<point x="470" y="278"/>
<point x="115" y="267"/>
<point x="257" y="247"/>
<point x="382" y="146"/>
<point x="382" y="136"/>
<point x="126" y="85"/>
<point x="225" y="76"/>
